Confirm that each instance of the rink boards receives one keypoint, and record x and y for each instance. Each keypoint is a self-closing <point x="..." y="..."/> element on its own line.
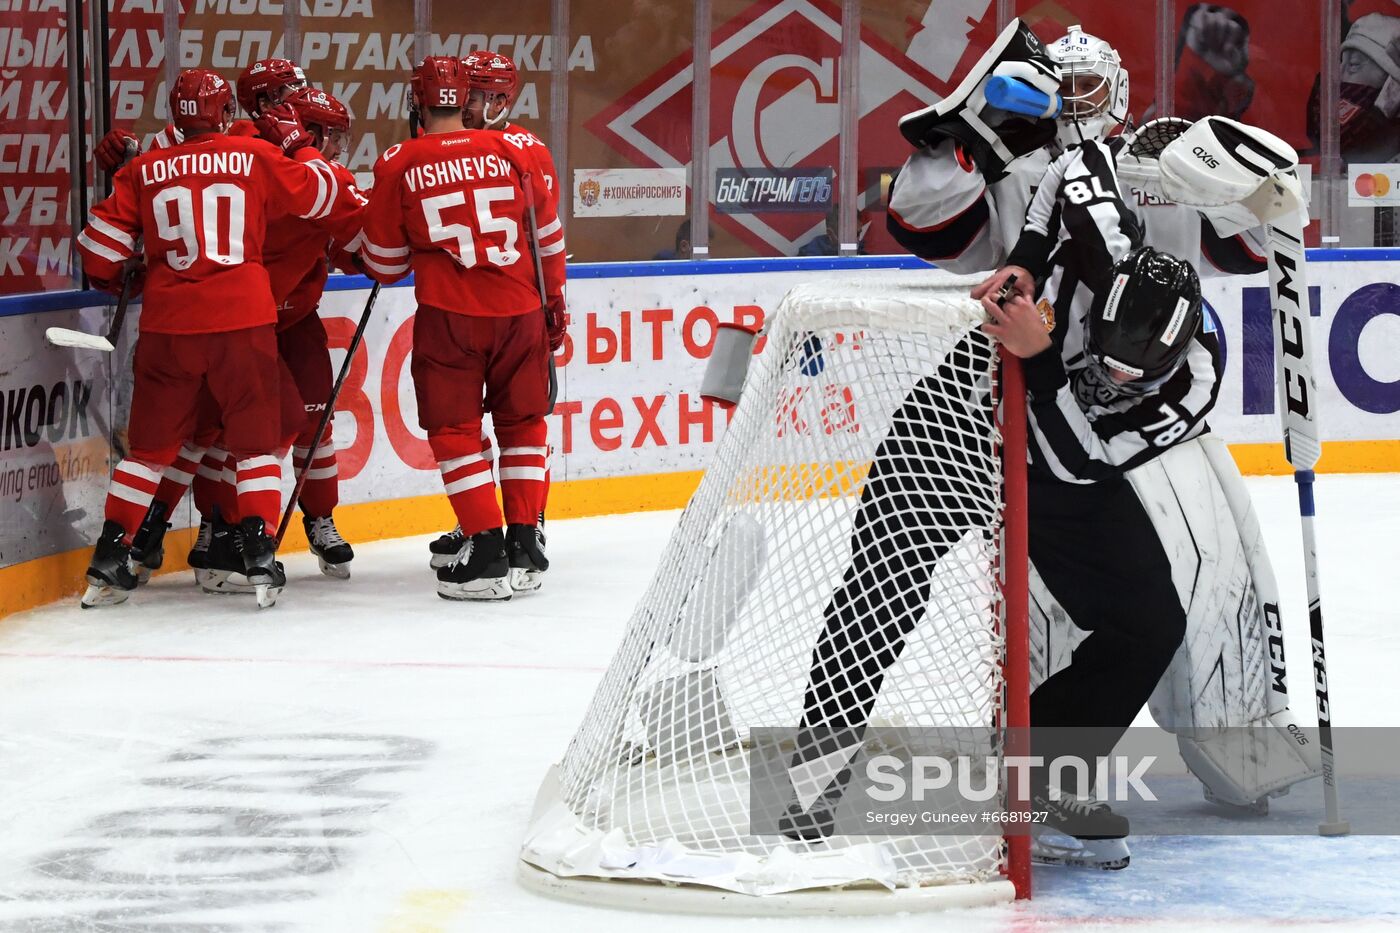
<point x="629" y="431"/>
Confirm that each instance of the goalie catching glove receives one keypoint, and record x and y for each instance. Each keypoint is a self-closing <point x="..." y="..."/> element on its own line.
<point x="992" y="137"/>
<point x="1238" y="175"/>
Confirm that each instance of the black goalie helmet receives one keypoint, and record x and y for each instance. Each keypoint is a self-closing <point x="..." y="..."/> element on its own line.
<point x="1139" y="331"/>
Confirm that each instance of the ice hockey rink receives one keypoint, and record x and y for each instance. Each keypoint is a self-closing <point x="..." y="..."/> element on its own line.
<point x="365" y="755"/>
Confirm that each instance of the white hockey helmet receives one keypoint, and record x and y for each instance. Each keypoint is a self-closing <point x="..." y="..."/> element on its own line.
<point x="1094" y="87"/>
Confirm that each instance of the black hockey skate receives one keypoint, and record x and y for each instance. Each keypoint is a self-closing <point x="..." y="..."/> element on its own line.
<point x="148" y="544"/>
<point x="109" y="576"/>
<point x="223" y="572"/>
<point x="260" y="563"/>
<point x="447" y="548"/>
<point x="482" y="571"/>
<point x="527" y="561"/>
<point x="198" y="557"/>
<point x="1079" y="833"/>
<point x="331" y="550"/>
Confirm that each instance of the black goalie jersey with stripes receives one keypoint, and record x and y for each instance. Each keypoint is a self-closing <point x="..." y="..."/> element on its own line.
<point x="1081" y="429"/>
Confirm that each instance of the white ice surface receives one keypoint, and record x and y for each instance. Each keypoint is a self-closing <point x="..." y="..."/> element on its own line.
<point x="194" y="716"/>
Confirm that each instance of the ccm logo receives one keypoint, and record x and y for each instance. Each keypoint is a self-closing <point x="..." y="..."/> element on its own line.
<point x="1205" y="156"/>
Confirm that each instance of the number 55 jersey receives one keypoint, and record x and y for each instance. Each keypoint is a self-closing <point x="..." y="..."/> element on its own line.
<point x="203" y="207"/>
<point x="452" y="207"/>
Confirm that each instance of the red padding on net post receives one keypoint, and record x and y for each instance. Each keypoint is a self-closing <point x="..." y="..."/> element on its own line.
<point x="1015" y="593"/>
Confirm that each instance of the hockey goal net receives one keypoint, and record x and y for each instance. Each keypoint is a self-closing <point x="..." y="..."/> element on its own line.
<point x="869" y="442"/>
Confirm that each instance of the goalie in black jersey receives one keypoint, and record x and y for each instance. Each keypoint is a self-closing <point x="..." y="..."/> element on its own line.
<point x="1120" y="365"/>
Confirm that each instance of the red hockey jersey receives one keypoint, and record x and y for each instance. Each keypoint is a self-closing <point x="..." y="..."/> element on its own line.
<point x="296" y="250"/>
<point x="539" y="154"/>
<point x="202" y="207"/>
<point x="450" y="207"/>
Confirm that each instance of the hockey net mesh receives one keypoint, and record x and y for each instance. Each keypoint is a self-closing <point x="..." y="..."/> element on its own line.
<point x="723" y="640"/>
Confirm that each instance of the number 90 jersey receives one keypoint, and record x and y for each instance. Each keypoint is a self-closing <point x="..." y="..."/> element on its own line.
<point x="451" y="208"/>
<point x="202" y="207"/>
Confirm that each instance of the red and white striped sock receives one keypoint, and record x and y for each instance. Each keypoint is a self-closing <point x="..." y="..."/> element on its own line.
<point x="134" y="484"/>
<point x="226" y="493"/>
<point x="524" y="473"/>
<point x="175" y="480"/>
<point x="320" y="494"/>
<point x="472" y="492"/>
<point x="207" y="479"/>
<point x="260" y="490"/>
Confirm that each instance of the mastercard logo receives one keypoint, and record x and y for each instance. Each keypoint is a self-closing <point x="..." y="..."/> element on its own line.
<point x="1370" y="185"/>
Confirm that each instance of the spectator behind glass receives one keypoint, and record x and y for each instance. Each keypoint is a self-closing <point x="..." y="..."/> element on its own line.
<point x="682" y="250"/>
<point x="1370" y="75"/>
<point x="1212" y="56"/>
<point x="829" y="242"/>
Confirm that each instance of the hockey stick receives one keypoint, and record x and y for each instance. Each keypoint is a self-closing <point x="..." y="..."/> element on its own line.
<point x="527" y="183"/>
<point x="1297" y="389"/>
<point x="326" y="416"/>
<point x="66" y="337"/>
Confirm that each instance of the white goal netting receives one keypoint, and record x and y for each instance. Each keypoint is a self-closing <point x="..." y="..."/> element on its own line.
<point x="838" y="567"/>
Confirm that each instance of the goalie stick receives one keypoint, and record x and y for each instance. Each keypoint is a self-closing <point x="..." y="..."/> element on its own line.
<point x="326" y="416"/>
<point x="1297" y="387"/>
<point x="1248" y="178"/>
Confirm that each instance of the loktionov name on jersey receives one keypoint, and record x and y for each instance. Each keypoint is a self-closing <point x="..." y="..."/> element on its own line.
<point x="473" y="168"/>
<point x="196" y="163"/>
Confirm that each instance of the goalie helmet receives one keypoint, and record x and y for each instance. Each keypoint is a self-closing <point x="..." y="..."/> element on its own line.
<point x="201" y="101"/>
<point x="1093" y="84"/>
<point x="1139" y="331"/>
<point x="439" y="81"/>
<point x="493" y="74"/>
<point x="267" y="82"/>
<point x="325" y="116"/>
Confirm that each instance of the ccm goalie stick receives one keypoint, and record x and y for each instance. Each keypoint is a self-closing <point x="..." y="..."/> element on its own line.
<point x="326" y="416"/>
<point x="1246" y="177"/>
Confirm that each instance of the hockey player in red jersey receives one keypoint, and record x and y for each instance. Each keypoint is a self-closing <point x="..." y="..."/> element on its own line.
<point x="492" y="84"/>
<point x="261" y="85"/>
<point x="201" y="207"/>
<point x="296" y="257"/>
<point x="295" y="254"/>
<point x="450" y="207"/>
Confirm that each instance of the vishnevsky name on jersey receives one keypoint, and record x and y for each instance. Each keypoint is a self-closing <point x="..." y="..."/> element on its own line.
<point x="473" y="168"/>
<point x="158" y="171"/>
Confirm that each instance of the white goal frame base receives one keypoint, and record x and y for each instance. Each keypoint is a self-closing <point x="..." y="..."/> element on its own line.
<point x="658" y="897"/>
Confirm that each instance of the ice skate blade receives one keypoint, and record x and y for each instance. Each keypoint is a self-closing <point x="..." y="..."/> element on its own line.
<point x="336" y="571"/>
<point x="223" y="583"/>
<point x="266" y="594"/>
<point x="143" y="573"/>
<point x="486" y="588"/>
<point x="1049" y="847"/>
<point x="98" y="595"/>
<point x="526" y="581"/>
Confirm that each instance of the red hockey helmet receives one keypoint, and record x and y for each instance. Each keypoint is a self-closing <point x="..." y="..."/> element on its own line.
<point x="324" y="115"/>
<point x="493" y="73"/>
<point x="201" y="100"/>
<point x="269" y="79"/>
<point x="438" y="81"/>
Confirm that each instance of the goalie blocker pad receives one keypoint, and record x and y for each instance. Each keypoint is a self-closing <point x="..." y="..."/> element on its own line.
<point x="994" y="138"/>
<point x="1229" y="672"/>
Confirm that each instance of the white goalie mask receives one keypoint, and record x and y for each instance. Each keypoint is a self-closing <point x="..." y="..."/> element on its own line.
<point x="1094" y="85"/>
